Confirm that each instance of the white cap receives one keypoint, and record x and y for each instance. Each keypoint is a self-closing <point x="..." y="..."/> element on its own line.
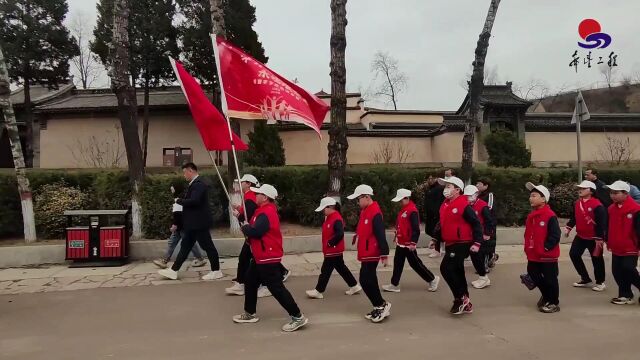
<point x="619" y="186"/>
<point x="540" y="188"/>
<point x="452" y="180"/>
<point x="327" y="201"/>
<point x="249" y="178"/>
<point x="401" y="194"/>
<point x="361" y="190"/>
<point x="267" y="190"/>
<point x="587" y="185"/>
<point x="470" y="190"/>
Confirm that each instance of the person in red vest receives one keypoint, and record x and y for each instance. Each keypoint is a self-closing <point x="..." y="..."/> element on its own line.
<point x="622" y="241"/>
<point x="542" y="247"/>
<point x="332" y="249"/>
<point x="372" y="249"/>
<point x="480" y="259"/>
<point x="461" y="233"/>
<point x="246" y="182"/>
<point x="265" y="239"/>
<point x="407" y="235"/>
<point x="589" y="217"/>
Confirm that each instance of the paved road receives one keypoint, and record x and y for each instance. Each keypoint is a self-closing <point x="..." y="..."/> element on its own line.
<point x="193" y="321"/>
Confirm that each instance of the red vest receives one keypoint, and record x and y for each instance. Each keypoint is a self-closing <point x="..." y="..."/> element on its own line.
<point x="249" y="195"/>
<point x="622" y="237"/>
<point x="535" y="234"/>
<point x="585" y="220"/>
<point x="268" y="249"/>
<point x="367" y="244"/>
<point x="453" y="226"/>
<point x="403" y="225"/>
<point x="477" y="208"/>
<point x="327" y="234"/>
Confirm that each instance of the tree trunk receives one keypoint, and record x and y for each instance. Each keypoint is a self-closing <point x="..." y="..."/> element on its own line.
<point x="219" y="28"/>
<point x="18" y="158"/>
<point x="475" y="91"/>
<point x="145" y="121"/>
<point x="338" y="143"/>
<point x="28" y="120"/>
<point x="127" y="107"/>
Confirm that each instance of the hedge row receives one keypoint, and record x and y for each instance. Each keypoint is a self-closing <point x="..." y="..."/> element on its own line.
<point x="300" y="189"/>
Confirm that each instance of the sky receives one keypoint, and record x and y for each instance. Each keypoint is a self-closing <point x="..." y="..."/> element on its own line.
<point x="434" y="43"/>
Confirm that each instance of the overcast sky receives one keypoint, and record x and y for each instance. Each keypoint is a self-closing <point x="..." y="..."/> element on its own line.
<point x="434" y="42"/>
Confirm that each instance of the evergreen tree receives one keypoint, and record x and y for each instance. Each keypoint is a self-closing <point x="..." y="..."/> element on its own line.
<point x="265" y="146"/>
<point x="38" y="49"/>
<point x="152" y="38"/>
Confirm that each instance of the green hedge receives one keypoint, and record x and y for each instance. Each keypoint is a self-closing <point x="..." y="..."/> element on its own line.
<point x="300" y="190"/>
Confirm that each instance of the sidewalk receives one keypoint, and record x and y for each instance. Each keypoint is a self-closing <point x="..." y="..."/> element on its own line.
<point x="62" y="278"/>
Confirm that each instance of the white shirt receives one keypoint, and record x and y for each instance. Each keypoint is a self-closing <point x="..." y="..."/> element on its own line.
<point x="192" y="180"/>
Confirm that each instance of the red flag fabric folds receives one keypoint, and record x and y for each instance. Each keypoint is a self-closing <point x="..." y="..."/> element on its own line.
<point x="253" y="91"/>
<point x="211" y="124"/>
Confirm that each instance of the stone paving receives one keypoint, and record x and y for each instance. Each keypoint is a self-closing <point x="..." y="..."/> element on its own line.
<point x="62" y="278"/>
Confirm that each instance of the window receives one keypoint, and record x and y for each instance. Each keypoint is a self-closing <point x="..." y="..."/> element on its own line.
<point x="177" y="156"/>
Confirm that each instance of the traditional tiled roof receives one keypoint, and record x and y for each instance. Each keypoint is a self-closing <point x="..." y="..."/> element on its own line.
<point x="39" y="94"/>
<point x="377" y="130"/>
<point x="598" y="122"/>
<point x="500" y="95"/>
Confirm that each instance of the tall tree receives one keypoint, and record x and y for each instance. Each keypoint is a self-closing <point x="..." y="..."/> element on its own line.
<point x="38" y="49"/>
<point x="152" y="37"/>
<point x="476" y="87"/>
<point x="127" y="106"/>
<point x="393" y="80"/>
<point x="85" y="65"/>
<point x="24" y="189"/>
<point x="338" y="144"/>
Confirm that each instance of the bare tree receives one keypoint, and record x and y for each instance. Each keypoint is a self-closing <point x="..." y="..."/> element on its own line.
<point x="85" y="65"/>
<point x="617" y="151"/>
<point x="393" y="81"/>
<point x="532" y="89"/>
<point x="403" y="152"/>
<point x="475" y="90"/>
<point x="609" y="74"/>
<point x="10" y="124"/>
<point x="338" y="144"/>
<point x="383" y="154"/>
<point x="491" y="77"/>
<point x="105" y="151"/>
<point x="127" y="107"/>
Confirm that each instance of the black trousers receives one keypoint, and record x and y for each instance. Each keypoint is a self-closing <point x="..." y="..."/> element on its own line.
<point x="490" y="246"/>
<point x="480" y="260"/>
<point x="369" y="282"/>
<point x="244" y="259"/>
<point x="452" y="268"/>
<point x="429" y="228"/>
<point x="625" y="273"/>
<point x="578" y="247"/>
<point x="203" y="237"/>
<point x="545" y="276"/>
<point x="416" y="264"/>
<point x="271" y="276"/>
<point x="328" y="265"/>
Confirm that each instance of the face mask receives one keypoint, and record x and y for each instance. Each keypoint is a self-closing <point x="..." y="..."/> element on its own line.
<point x="447" y="193"/>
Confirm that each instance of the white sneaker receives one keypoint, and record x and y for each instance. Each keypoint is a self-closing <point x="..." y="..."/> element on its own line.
<point x="391" y="288"/>
<point x="599" y="287"/>
<point x="286" y="275"/>
<point x="198" y="262"/>
<point x="434" y="254"/>
<point x="263" y="292"/>
<point x="213" y="275"/>
<point x="314" y="294"/>
<point x="433" y="285"/>
<point x="245" y="318"/>
<point x="236" y="289"/>
<point x="169" y="274"/>
<point x="481" y="283"/>
<point x="354" y="290"/>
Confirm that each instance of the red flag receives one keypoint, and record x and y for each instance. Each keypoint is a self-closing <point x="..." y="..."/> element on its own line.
<point x="253" y="91"/>
<point x="211" y="124"/>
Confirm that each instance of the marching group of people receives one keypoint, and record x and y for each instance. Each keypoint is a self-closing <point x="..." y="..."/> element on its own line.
<point x="460" y="220"/>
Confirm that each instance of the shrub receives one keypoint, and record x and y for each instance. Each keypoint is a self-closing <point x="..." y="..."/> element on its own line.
<point x="50" y="202"/>
<point x="563" y="197"/>
<point x="265" y="146"/>
<point x="506" y="150"/>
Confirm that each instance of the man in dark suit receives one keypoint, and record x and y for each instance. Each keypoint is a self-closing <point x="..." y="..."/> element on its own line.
<point x="196" y="222"/>
<point x="602" y="192"/>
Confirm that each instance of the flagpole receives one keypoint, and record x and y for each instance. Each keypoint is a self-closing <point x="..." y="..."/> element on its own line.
<point x="578" y="121"/>
<point x="225" y="113"/>
<point x="175" y="70"/>
<point x="224" y="187"/>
